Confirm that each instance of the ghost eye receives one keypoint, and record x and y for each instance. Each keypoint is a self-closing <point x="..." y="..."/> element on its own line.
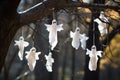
<point x="54" y="22"/>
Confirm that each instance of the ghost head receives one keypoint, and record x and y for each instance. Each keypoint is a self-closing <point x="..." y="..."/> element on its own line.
<point x="33" y="49"/>
<point x="93" y="48"/>
<point x="77" y="29"/>
<point x="21" y="38"/>
<point x="54" y="21"/>
<point x="50" y="54"/>
<point x="101" y="12"/>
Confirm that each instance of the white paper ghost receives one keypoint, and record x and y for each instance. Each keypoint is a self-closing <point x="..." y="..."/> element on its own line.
<point x="52" y="29"/>
<point x="102" y="26"/>
<point x="31" y="57"/>
<point x="77" y="38"/>
<point x="93" y="54"/>
<point x="21" y="45"/>
<point x="83" y="40"/>
<point x="49" y="62"/>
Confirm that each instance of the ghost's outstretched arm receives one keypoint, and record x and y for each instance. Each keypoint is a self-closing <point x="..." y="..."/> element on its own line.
<point x="71" y="34"/>
<point x="81" y="36"/>
<point x="46" y="57"/>
<point x="36" y="55"/>
<point x="99" y="53"/>
<point x="26" y="44"/>
<point x="86" y="38"/>
<point x="97" y="20"/>
<point x="16" y="42"/>
<point x="88" y="52"/>
<point x="59" y="27"/>
<point x="103" y="17"/>
<point x="52" y="60"/>
<point x="27" y="52"/>
<point x="48" y="27"/>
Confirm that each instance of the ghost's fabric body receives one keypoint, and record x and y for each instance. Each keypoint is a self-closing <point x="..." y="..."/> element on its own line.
<point x="49" y="62"/>
<point x="31" y="57"/>
<point x="77" y="38"/>
<point x="102" y="26"/>
<point x="21" y="45"/>
<point x="93" y="54"/>
<point x="52" y="29"/>
<point x="83" y="40"/>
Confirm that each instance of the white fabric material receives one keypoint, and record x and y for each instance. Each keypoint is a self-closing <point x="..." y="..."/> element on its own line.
<point x="52" y="29"/>
<point x="77" y="38"/>
<point x="102" y="26"/>
<point x="49" y="62"/>
<point x="21" y="45"/>
<point x="93" y="54"/>
<point x="31" y="57"/>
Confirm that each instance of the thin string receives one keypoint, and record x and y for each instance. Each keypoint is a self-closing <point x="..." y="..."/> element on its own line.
<point x="33" y="38"/>
<point x="33" y="43"/>
<point x="22" y="31"/>
<point x="93" y="32"/>
<point x="53" y="13"/>
<point x="76" y="21"/>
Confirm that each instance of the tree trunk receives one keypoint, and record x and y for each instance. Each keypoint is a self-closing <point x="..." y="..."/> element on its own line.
<point x="8" y="26"/>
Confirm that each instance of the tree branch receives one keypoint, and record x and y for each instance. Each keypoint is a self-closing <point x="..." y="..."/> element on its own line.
<point x="111" y="35"/>
<point x="36" y="12"/>
<point x="40" y="10"/>
<point x="85" y="5"/>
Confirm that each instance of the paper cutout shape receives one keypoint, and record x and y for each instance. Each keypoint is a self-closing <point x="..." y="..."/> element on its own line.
<point x="93" y="54"/>
<point x="102" y="26"/>
<point x="21" y="45"/>
<point x="52" y="29"/>
<point x="83" y="40"/>
<point x="49" y="62"/>
<point x="77" y="38"/>
<point x="31" y="57"/>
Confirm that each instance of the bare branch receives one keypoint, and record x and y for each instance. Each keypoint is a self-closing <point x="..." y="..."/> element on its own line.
<point x="94" y="6"/>
<point x="40" y="10"/>
<point x="110" y="36"/>
<point x="36" y="12"/>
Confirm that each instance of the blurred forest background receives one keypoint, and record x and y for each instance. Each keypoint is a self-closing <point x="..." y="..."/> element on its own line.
<point x="69" y="63"/>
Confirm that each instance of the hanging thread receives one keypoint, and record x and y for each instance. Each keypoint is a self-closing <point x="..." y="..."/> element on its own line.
<point x="22" y="31"/>
<point x="93" y="32"/>
<point x="53" y="13"/>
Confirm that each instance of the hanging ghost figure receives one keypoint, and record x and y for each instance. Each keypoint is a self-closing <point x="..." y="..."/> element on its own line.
<point x="77" y="38"/>
<point x="21" y="45"/>
<point x="83" y="40"/>
<point x="93" y="54"/>
<point x="102" y="26"/>
<point x="49" y="62"/>
<point x="31" y="57"/>
<point x="52" y="29"/>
